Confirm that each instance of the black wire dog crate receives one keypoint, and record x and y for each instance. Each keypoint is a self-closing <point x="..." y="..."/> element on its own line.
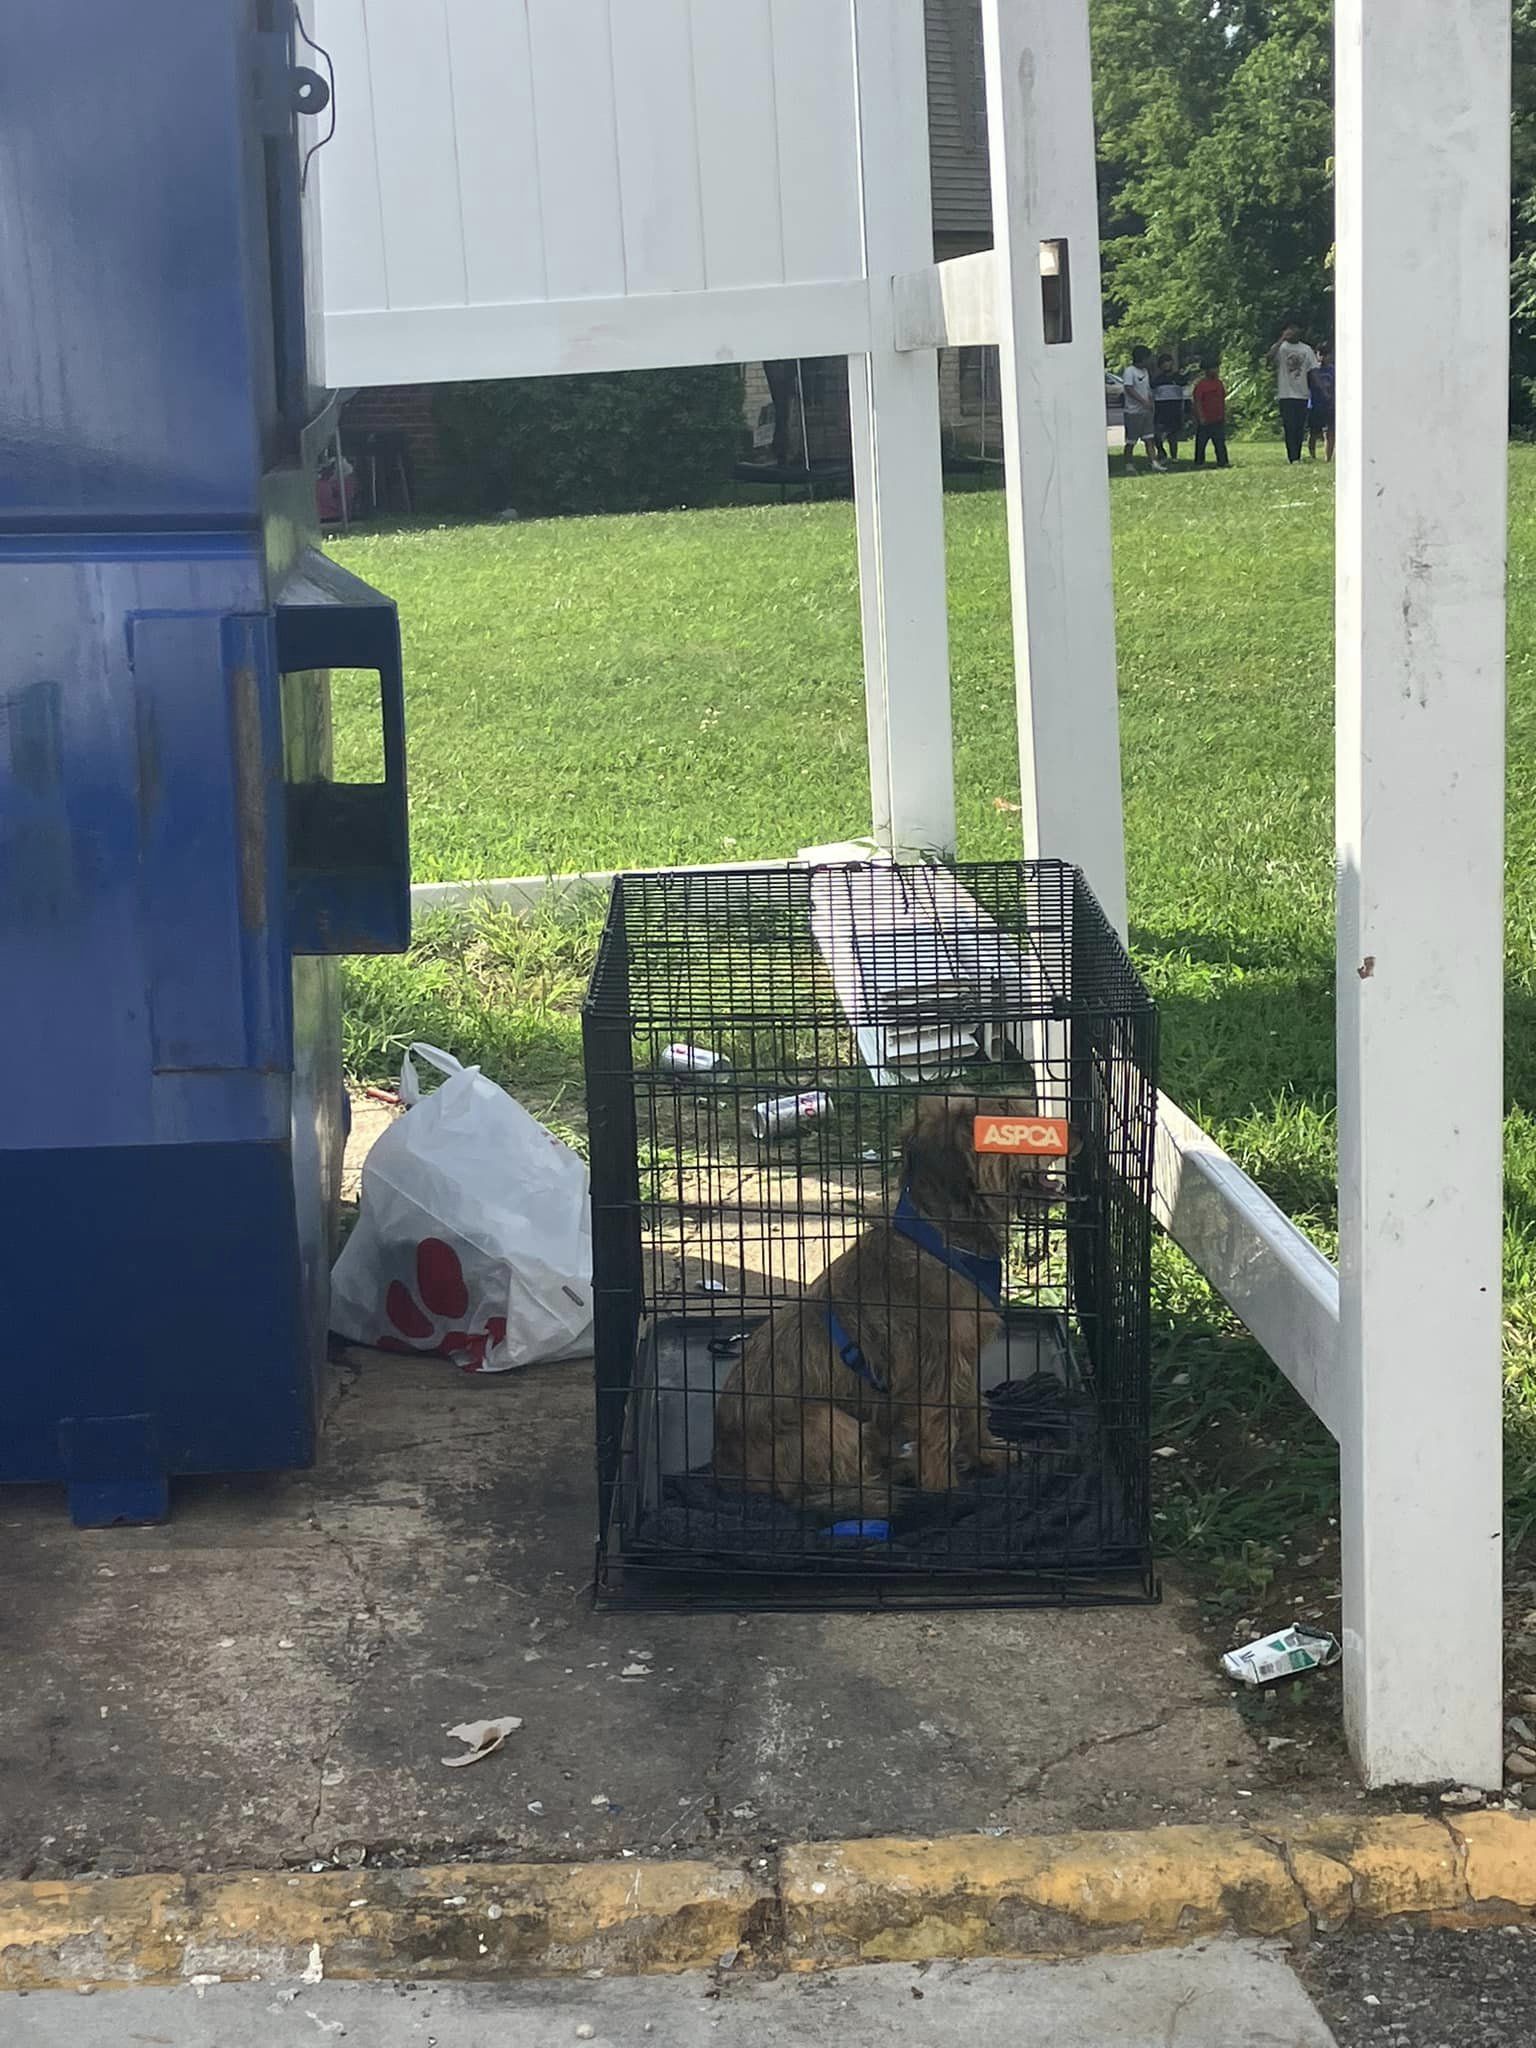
<point x="871" y="1157"/>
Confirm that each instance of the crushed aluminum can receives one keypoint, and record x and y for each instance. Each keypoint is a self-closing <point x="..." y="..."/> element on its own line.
<point x="692" y="1061"/>
<point x="1282" y="1655"/>
<point x="789" y="1113"/>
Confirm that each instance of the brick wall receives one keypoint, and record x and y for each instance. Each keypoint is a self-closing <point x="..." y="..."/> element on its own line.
<point x="396" y="409"/>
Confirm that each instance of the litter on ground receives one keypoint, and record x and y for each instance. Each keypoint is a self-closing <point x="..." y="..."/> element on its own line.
<point x="483" y="1737"/>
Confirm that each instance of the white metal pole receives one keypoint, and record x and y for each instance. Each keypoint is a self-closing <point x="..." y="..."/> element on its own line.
<point x="1044" y="189"/>
<point x="1422" y="153"/>
<point x="897" y="463"/>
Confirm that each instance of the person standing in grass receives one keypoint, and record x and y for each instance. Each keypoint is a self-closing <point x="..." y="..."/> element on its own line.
<point x="1320" y="403"/>
<point x="1167" y="408"/>
<point x="1209" y="399"/>
<point x="1136" y="382"/>
<point x="1294" y="361"/>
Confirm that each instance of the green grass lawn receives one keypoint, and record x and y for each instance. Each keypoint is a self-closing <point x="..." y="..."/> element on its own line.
<point x="686" y="687"/>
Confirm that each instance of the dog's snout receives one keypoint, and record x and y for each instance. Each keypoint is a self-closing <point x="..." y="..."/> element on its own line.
<point x="1035" y="1184"/>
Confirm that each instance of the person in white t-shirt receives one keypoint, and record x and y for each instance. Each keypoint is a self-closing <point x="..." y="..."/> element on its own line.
<point x="1293" y="361"/>
<point x="1136" y="384"/>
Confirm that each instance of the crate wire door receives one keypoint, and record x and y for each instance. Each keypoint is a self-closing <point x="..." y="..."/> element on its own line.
<point x="759" y="1046"/>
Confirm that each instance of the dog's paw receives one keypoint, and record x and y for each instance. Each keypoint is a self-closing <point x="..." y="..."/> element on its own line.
<point x="991" y="1457"/>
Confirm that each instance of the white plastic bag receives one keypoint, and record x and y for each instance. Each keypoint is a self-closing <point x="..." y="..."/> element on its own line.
<point x="474" y="1237"/>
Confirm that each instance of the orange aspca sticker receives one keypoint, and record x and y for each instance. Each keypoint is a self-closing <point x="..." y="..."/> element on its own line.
<point x="1046" y="1136"/>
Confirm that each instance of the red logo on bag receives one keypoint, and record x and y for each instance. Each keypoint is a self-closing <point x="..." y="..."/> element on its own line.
<point x="444" y="1296"/>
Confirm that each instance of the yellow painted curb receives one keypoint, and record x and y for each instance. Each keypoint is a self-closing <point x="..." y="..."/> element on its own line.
<point x="1397" y="1863"/>
<point x="449" y="1920"/>
<point x="1500" y="1857"/>
<point x="884" y="1901"/>
<point x="903" y="1901"/>
<point x="822" y="1903"/>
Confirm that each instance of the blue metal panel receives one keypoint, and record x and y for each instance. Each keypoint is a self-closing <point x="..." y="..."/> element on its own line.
<point x="106" y="877"/>
<point x="201" y="858"/>
<point x="131" y="252"/>
<point x="154" y="1314"/>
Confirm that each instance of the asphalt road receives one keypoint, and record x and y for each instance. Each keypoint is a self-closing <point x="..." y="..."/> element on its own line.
<point x="1426" y="1987"/>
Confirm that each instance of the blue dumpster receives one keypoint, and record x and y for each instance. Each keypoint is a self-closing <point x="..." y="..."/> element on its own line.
<point x="177" y="865"/>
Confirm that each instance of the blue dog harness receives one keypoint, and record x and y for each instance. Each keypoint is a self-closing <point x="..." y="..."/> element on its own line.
<point x="984" y="1274"/>
<point x="848" y="1351"/>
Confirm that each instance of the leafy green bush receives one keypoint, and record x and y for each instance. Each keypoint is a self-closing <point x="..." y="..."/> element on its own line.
<point x="635" y="441"/>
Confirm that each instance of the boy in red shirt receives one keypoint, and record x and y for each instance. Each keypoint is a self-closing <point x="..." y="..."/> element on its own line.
<point x="1209" y="399"/>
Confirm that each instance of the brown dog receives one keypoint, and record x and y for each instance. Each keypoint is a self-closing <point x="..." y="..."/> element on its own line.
<point x="881" y="1352"/>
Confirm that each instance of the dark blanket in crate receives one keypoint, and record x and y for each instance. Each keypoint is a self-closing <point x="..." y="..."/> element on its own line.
<point x="1058" y="1505"/>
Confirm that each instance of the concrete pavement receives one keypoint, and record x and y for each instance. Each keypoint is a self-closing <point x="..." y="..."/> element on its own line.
<point x="1214" y="1996"/>
<point x="267" y="1679"/>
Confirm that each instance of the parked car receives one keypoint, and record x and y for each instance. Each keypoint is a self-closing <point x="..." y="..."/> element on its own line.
<point x="1114" y="409"/>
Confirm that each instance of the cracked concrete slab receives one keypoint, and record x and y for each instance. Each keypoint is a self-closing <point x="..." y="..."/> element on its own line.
<point x="267" y="1679"/>
<point x="1201" y="1997"/>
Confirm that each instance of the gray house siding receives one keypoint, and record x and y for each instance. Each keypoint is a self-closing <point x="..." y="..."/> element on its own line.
<point x="957" y="127"/>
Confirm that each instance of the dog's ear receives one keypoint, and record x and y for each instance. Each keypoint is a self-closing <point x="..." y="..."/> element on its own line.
<point x="940" y="1156"/>
<point x="942" y="1124"/>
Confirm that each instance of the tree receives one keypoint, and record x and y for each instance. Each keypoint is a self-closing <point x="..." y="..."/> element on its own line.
<point x="1522" y="338"/>
<point x="1215" y="138"/>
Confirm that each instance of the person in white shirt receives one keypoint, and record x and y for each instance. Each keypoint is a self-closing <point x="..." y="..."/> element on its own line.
<point x="1293" y="361"/>
<point x="1136" y="381"/>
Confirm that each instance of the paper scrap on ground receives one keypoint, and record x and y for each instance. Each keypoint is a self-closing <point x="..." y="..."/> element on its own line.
<point x="1281" y="1655"/>
<point x="483" y="1737"/>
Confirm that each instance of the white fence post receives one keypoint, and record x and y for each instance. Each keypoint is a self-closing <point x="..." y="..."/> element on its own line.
<point x="1044" y="190"/>
<point x="897" y="463"/>
<point x="1422" y="152"/>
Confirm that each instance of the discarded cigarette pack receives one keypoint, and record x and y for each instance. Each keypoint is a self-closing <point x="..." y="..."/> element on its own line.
<point x="1281" y="1655"/>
